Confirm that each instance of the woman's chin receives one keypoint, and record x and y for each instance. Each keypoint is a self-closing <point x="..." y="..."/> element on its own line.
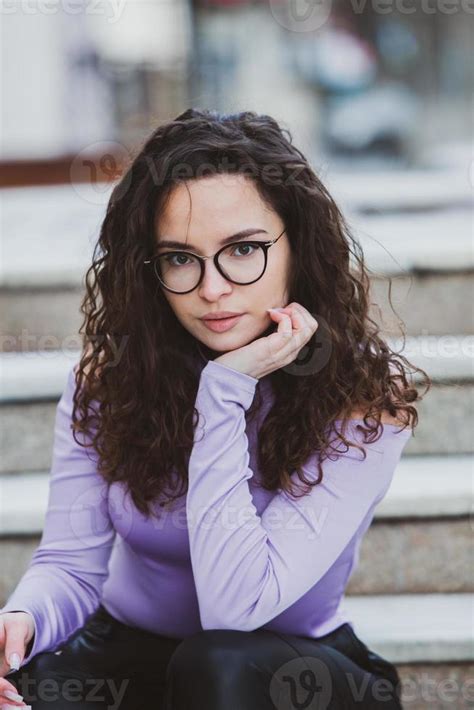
<point x="221" y="347"/>
<point x="222" y="343"/>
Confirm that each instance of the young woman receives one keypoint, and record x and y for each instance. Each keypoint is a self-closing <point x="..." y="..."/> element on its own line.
<point x="182" y="563"/>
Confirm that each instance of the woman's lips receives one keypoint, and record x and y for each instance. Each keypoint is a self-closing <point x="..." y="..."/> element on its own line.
<point x="220" y="325"/>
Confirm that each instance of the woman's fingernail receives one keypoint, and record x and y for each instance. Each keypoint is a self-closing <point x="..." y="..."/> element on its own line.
<point x="15" y="662"/>
<point x="275" y="309"/>
<point x="12" y="696"/>
<point x="15" y="707"/>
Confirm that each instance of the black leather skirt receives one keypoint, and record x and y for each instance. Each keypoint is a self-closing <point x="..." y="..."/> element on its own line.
<point x="109" y="665"/>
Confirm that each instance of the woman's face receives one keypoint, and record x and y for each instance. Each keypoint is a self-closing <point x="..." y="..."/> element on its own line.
<point x="224" y="205"/>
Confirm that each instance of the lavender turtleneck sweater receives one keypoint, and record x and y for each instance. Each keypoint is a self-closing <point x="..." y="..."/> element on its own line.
<point x="227" y="555"/>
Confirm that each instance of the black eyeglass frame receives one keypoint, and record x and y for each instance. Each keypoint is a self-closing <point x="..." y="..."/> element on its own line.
<point x="215" y="257"/>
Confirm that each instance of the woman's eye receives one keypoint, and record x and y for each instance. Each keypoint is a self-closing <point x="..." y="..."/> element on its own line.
<point x="169" y="258"/>
<point x="244" y="246"/>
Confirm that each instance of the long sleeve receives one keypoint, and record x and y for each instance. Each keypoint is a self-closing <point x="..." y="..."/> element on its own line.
<point x="249" y="568"/>
<point x="62" y="584"/>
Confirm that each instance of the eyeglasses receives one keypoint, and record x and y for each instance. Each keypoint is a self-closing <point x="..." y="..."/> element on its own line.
<point x="183" y="271"/>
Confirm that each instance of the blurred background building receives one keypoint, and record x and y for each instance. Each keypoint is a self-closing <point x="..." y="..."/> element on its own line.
<point x="356" y="84"/>
<point x="378" y="95"/>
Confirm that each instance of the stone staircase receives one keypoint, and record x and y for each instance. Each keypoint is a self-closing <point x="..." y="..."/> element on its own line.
<point x="412" y="594"/>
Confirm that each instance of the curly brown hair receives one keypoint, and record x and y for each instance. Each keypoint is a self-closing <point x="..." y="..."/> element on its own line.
<point x="138" y="412"/>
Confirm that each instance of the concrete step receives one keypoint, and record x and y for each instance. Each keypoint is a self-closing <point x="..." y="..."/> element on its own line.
<point x="434" y="304"/>
<point x="408" y="241"/>
<point x="445" y="427"/>
<point x="414" y="628"/>
<point x="393" y="243"/>
<point x="424" y="488"/>
<point x="43" y="318"/>
<point x="429" y="487"/>
<point x="428" y="637"/>
<point x="41" y="374"/>
<point x="399" y="190"/>
<point x="401" y="219"/>
<point x="415" y="556"/>
<point x="420" y="540"/>
<point x="48" y="317"/>
<point x="35" y="375"/>
<point x="49" y="231"/>
<point x="32" y="382"/>
<point x="436" y="686"/>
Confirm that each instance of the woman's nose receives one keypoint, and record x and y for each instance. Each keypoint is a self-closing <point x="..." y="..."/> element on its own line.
<point x="213" y="284"/>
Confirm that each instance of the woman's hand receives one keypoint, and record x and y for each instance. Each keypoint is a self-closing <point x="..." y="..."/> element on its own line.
<point x="16" y="631"/>
<point x="296" y="326"/>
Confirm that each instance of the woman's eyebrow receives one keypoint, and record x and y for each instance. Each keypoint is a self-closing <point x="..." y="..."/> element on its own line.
<point x="172" y="244"/>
